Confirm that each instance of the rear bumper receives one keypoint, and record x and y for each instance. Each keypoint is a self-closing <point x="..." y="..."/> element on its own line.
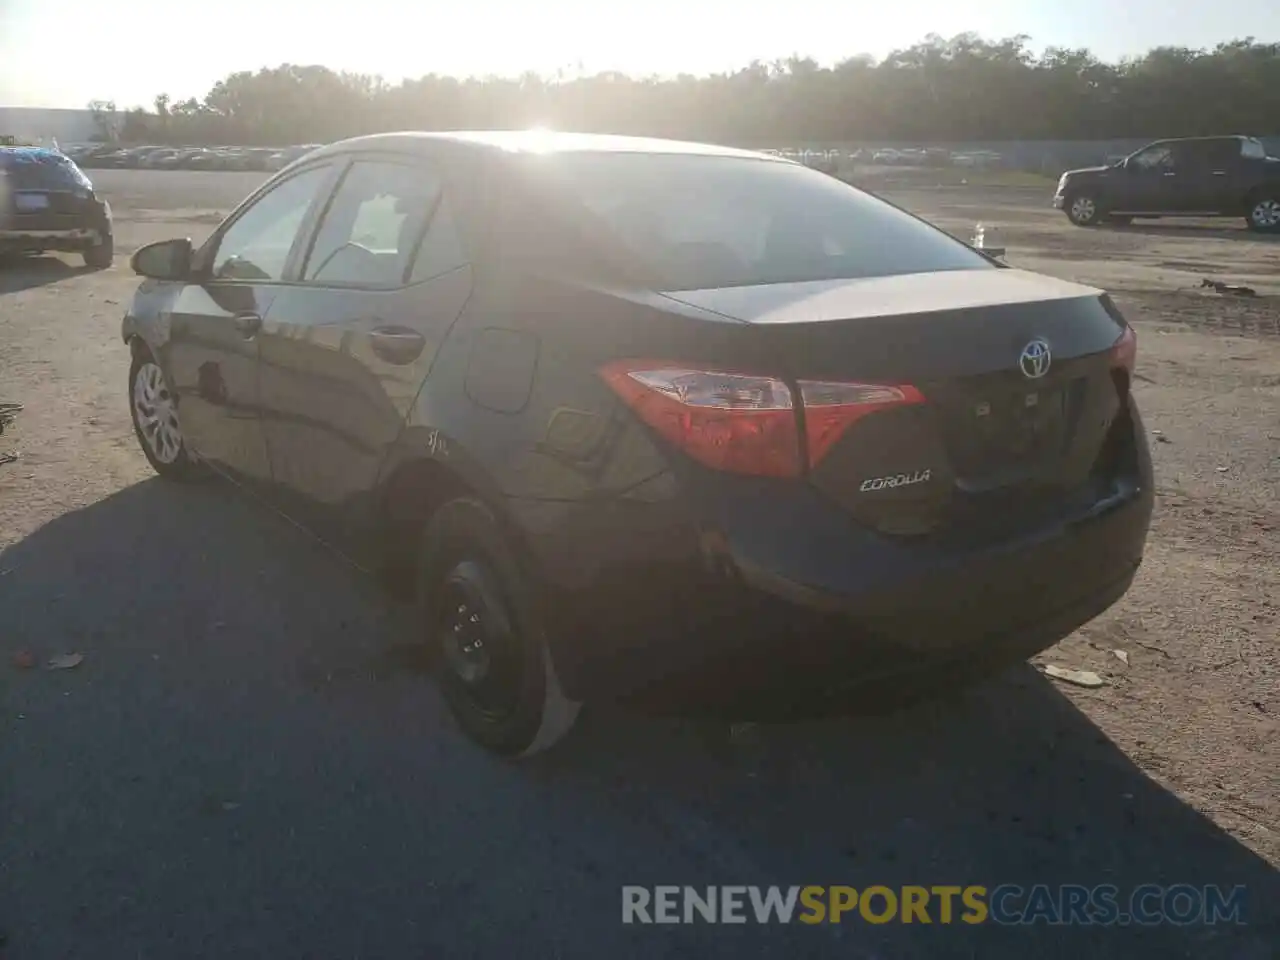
<point x="1059" y="201"/>
<point x="749" y="591"/>
<point x="74" y="239"/>
<point x="87" y="223"/>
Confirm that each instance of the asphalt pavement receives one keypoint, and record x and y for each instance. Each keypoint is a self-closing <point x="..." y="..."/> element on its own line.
<point x="249" y="764"/>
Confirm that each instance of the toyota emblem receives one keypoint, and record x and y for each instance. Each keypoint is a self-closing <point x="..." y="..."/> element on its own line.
<point x="1035" y="359"/>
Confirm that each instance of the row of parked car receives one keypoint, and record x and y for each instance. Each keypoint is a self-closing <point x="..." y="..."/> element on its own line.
<point x="99" y="155"/>
<point x="916" y="157"/>
<point x="102" y="156"/>
<point x="831" y="160"/>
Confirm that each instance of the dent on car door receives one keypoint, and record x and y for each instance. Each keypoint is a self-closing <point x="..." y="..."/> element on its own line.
<point x="346" y="349"/>
<point x="212" y="352"/>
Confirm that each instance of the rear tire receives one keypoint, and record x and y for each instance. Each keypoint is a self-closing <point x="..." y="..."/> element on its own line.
<point x="101" y="255"/>
<point x="1083" y="210"/>
<point x="1263" y="214"/>
<point x="479" y="612"/>
<point x="154" y="412"/>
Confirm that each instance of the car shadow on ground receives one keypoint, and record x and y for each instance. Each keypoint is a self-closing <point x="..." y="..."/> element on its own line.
<point x="1195" y="231"/>
<point x="24" y="273"/>
<point x="245" y="733"/>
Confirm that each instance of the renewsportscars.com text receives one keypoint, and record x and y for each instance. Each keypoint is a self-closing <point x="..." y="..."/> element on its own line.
<point x="1007" y="904"/>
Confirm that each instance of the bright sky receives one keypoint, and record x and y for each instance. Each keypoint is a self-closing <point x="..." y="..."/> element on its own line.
<point x="63" y="53"/>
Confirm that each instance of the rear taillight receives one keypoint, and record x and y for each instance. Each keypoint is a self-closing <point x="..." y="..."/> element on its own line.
<point x="728" y="421"/>
<point x="746" y="423"/>
<point x="830" y="409"/>
<point x="1124" y="353"/>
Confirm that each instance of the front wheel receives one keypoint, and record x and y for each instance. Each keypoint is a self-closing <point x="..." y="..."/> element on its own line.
<point x="101" y="254"/>
<point x="154" y="411"/>
<point x="479" y="612"/>
<point x="1264" y="213"/>
<point x="1082" y="210"/>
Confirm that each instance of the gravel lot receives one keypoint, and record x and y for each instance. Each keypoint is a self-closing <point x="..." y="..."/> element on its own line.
<point x="247" y="765"/>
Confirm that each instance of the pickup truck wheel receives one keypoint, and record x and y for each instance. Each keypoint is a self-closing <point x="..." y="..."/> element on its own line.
<point x="478" y="610"/>
<point x="1264" y="213"/>
<point x="1082" y="209"/>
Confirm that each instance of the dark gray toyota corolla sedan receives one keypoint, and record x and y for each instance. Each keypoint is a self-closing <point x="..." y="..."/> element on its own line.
<point x="631" y="416"/>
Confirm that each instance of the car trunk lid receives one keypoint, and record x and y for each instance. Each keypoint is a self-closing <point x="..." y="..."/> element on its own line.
<point x="1012" y="372"/>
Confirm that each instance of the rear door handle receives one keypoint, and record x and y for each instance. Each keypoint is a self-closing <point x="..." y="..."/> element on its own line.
<point x="248" y="324"/>
<point x="398" y="345"/>
<point x="1170" y="174"/>
<point x="1219" y="173"/>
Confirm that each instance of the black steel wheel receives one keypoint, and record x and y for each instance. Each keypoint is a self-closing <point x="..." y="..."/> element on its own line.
<point x="479" y="613"/>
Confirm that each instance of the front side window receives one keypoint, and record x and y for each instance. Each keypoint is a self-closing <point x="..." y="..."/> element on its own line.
<point x="1156" y="157"/>
<point x="373" y="224"/>
<point x="256" y="246"/>
<point x="696" y="222"/>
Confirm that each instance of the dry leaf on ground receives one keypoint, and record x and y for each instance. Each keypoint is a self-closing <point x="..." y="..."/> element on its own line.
<point x="1079" y="678"/>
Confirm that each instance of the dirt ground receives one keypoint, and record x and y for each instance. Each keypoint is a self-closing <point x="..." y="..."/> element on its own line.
<point x="230" y="663"/>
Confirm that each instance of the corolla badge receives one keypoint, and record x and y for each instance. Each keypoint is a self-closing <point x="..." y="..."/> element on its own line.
<point x="890" y="483"/>
<point x="1035" y="359"/>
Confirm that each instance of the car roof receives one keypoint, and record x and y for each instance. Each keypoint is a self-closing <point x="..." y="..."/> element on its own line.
<point x="532" y="142"/>
<point x="1224" y="136"/>
<point x="20" y="156"/>
<point x="35" y="153"/>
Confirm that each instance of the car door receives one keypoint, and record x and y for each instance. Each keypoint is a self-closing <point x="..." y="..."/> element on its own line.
<point x="1202" y="171"/>
<point x="346" y="348"/>
<point x="1149" y="184"/>
<point x="212" y="351"/>
<point x="1225" y="177"/>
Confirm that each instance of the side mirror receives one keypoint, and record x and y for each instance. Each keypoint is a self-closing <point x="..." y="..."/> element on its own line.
<point x="164" y="260"/>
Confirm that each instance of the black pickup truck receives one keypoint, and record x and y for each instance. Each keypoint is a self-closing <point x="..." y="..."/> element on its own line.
<point x="1195" y="177"/>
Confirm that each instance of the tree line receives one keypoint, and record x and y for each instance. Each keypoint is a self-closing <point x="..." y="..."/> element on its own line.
<point x="939" y="90"/>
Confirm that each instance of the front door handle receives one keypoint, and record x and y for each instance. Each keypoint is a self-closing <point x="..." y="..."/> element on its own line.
<point x="1170" y="173"/>
<point x="398" y="345"/>
<point x="248" y="324"/>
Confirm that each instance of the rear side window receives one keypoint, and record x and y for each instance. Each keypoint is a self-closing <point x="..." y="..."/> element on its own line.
<point x="1207" y="154"/>
<point x="441" y="249"/>
<point x="373" y="224"/>
<point x="696" y="222"/>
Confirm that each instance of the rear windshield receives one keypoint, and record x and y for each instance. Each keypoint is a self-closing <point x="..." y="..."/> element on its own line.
<point x="40" y="170"/>
<point x="696" y="222"/>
